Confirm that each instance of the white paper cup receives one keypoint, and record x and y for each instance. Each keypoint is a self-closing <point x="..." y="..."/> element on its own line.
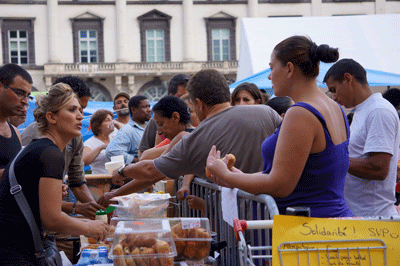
<point x="113" y="165"/>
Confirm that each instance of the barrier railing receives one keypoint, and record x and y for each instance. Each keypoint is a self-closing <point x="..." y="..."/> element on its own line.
<point x="250" y="207"/>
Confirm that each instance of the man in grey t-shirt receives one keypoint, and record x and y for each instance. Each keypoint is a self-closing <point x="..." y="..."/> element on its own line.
<point x="239" y="130"/>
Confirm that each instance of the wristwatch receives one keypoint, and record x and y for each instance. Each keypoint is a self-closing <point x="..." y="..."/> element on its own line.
<point x="73" y="208"/>
<point x="122" y="169"/>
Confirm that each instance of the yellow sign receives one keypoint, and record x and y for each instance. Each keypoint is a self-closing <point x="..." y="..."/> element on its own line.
<point x="332" y="242"/>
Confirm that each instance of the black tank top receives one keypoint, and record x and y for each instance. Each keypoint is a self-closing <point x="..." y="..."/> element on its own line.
<point x="9" y="147"/>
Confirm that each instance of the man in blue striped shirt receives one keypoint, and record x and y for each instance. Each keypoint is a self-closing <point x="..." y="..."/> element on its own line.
<point x="128" y="138"/>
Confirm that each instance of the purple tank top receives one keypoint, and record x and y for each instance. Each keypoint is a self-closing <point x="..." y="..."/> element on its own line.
<point x="321" y="184"/>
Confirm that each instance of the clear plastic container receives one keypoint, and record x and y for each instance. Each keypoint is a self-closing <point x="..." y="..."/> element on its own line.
<point x="144" y="242"/>
<point x="113" y="226"/>
<point x="192" y="237"/>
<point x="142" y="205"/>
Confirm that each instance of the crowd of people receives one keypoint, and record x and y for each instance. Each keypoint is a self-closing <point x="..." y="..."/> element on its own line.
<point x="297" y="146"/>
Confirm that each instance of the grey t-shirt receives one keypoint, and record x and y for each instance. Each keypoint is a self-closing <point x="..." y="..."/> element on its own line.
<point x="239" y="130"/>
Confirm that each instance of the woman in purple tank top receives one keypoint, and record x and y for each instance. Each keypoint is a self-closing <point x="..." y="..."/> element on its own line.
<point x="306" y="159"/>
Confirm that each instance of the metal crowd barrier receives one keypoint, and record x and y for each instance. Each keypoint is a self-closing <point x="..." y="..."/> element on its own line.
<point x="250" y="207"/>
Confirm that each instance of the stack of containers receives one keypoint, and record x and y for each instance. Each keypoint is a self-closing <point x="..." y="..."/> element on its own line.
<point x="141" y="233"/>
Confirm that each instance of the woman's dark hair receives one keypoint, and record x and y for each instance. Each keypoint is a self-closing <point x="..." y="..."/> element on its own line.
<point x="167" y="105"/>
<point x="280" y="104"/>
<point x="97" y="119"/>
<point x="305" y="54"/>
<point x="251" y="88"/>
<point x="77" y="85"/>
<point x="393" y="96"/>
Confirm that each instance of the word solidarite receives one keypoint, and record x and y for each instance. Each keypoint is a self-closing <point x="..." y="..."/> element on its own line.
<point x="314" y="230"/>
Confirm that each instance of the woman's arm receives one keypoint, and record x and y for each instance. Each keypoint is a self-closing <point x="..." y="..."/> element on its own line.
<point x="153" y="153"/>
<point x="295" y="141"/>
<point x="54" y="219"/>
<point x="175" y="140"/>
<point x="90" y="155"/>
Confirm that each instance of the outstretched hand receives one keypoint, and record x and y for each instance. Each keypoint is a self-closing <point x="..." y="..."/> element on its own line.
<point x="217" y="167"/>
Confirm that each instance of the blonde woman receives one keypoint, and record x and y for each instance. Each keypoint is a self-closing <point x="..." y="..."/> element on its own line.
<point x="38" y="169"/>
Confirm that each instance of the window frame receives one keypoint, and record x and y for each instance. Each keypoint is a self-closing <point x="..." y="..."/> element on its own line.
<point x="96" y="24"/>
<point x="155" y="39"/>
<point x="155" y="20"/>
<point x="18" y="40"/>
<point x="88" y="39"/>
<point x="26" y="24"/>
<point x="221" y="48"/>
<point x="221" y="23"/>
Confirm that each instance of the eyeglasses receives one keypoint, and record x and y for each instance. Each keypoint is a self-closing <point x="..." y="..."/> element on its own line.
<point x="20" y="93"/>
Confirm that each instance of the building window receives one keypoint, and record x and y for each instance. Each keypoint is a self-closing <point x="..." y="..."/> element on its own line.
<point x="18" y="41"/>
<point x="155" y="37"/>
<point x="154" y="90"/>
<point x="221" y="37"/>
<point x="220" y="43"/>
<point x="155" y="93"/>
<point x="155" y="46"/>
<point x="88" y="41"/>
<point x="18" y="44"/>
<point x="88" y="46"/>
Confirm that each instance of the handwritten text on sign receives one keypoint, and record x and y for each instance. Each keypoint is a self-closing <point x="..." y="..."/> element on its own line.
<point x="319" y="241"/>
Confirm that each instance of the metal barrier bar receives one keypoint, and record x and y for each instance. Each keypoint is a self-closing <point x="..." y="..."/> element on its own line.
<point x="251" y="207"/>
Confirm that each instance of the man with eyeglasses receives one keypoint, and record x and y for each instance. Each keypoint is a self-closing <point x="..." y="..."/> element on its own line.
<point x="15" y="90"/>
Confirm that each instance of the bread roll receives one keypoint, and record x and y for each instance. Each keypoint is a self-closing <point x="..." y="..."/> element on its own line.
<point x="231" y="163"/>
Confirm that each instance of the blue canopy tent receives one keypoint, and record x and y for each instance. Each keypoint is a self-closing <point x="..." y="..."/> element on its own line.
<point x="374" y="77"/>
<point x="87" y="114"/>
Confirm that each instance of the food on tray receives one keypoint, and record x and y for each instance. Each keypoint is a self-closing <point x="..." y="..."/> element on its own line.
<point x="119" y="250"/>
<point x="197" y="249"/>
<point x="163" y="247"/>
<point x="177" y="229"/>
<point x="112" y="231"/>
<point x="139" y="250"/>
<point x="149" y="251"/>
<point x="129" y="260"/>
<point x="138" y="260"/>
<point x="231" y="163"/>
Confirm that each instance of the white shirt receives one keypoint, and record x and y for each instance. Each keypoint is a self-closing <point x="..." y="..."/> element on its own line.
<point x="98" y="165"/>
<point x="375" y="128"/>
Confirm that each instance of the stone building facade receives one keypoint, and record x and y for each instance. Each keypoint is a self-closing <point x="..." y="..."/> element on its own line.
<point x="138" y="45"/>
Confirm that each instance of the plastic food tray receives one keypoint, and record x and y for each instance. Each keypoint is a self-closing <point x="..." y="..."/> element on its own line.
<point x="146" y="242"/>
<point x="192" y="237"/>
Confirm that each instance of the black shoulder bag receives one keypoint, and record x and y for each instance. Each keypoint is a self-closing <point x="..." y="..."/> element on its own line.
<point x="46" y="254"/>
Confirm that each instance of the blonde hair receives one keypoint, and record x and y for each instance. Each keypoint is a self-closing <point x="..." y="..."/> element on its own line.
<point x="57" y="97"/>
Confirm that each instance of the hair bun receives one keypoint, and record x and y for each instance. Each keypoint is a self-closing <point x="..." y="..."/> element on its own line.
<point x="323" y="53"/>
<point x="327" y="54"/>
<point x="314" y="53"/>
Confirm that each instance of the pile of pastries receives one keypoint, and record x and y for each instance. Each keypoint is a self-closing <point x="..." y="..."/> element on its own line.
<point x="140" y="250"/>
<point x="191" y="243"/>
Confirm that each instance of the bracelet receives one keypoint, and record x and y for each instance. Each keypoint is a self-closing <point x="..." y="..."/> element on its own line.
<point x="73" y="208"/>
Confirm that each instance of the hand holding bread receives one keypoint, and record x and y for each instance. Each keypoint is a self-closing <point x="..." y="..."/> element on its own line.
<point x="229" y="159"/>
